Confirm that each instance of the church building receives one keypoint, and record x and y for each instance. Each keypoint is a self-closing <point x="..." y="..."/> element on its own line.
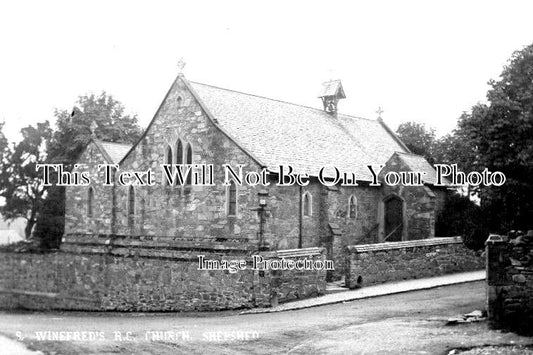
<point x="202" y="124"/>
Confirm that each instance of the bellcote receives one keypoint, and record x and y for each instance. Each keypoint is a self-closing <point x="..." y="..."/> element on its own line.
<point x="330" y="94"/>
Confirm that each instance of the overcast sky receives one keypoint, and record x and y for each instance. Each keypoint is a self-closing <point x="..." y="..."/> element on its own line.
<point x="423" y="61"/>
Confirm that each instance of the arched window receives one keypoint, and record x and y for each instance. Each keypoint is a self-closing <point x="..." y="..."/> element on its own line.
<point x="232" y="199"/>
<point x="352" y="207"/>
<point x="179" y="152"/>
<point x="188" y="160"/>
<point x="179" y="100"/>
<point x="168" y="155"/>
<point x="143" y="213"/>
<point x="307" y="204"/>
<point x="168" y="160"/>
<point x="131" y="207"/>
<point x="90" y="199"/>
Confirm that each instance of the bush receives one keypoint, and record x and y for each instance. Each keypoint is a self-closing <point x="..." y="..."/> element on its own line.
<point x="461" y="216"/>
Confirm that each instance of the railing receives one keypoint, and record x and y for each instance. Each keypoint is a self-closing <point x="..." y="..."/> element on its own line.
<point x="367" y="234"/>
<point x="393" y="231"/>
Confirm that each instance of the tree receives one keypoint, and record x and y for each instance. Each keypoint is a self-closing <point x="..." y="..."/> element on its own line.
<point x="74" y="126"/>
<point x="4" y="146"/>
<point x="21" y="185"/>
<point x="419" y="139"/>
<point x="72" y="135"/>
<point x="461" y="216"/>
<point x="501" y="136"/>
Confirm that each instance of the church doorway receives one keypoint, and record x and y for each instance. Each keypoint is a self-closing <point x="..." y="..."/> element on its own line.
<point x="393" y="219"/>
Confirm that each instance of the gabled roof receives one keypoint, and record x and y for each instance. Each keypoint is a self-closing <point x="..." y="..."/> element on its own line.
<point x="276" y="132"/>
<point x="113" y="152"/>
<point x="420" y="164"/>
<point x="332" y="88"/>
<point x="116" y="151"/>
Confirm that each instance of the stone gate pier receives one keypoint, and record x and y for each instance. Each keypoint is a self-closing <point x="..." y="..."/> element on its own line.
<point x="510" y="281"/>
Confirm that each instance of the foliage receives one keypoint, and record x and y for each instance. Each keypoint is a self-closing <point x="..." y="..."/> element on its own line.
<point x="74" y="126"/>
<point x="461" y="216"/>
<point x="419" y="139"/>
<point x="501" y="136"/>
<point x="498" y="136"/>
<point x="20" y="182"/>
<point x="72" y="135"/>
<point x="51" y="223"/>
<point x="4" y="145"/>
<point x="453" y="148"/>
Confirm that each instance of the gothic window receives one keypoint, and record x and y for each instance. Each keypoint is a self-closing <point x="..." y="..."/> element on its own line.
<point x="188" y="160"/>
<point x="143" y="212"/>
<point x="131" y="206"/>
<point x="179" y="100"/>
<point x="352" y="207"/>
<point x="179" y="152"/>
<point x="90" y="201"/>
<point x="307" y="204"/>
<point x="232" y="199"/>
<point x="168" y="160"/>
<point x="168" y="155"/>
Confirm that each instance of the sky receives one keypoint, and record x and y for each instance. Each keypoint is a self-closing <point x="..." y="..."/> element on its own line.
<point x="423" y="61"/>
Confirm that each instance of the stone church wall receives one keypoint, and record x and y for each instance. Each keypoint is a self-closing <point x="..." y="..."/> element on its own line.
<point x="350" y="231"/>
<point x="190" y="211"/>
<point x="394" y="261"/>
<point x="107" y="282"/>
<point x="510" y="282"/>
<point x="198" y="214"/>
<point x="76" y="218"/>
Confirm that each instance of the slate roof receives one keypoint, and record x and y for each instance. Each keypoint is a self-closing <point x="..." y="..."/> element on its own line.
<point x="420" y="164"/>
<point x="115" y="151"/>
<point x="332" y="88"/>
<point x="276" y="132"/>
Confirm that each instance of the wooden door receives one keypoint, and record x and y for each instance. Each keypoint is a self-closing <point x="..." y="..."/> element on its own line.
<point x="393" y="219"/>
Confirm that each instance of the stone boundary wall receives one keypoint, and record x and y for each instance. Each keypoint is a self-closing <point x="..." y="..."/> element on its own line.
<point x="153" y="246"/>
<point x="510" y="282"/>
<point x="105" y="282"/>
<point x="370" y="264"/>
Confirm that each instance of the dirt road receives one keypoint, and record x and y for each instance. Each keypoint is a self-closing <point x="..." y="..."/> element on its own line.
<point x="408" y="323"/>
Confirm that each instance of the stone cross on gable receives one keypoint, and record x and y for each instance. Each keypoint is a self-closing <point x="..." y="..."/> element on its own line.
<point x="181" y="64"/>
<point x="379" y="111"/>
<point x="93" y="128"/>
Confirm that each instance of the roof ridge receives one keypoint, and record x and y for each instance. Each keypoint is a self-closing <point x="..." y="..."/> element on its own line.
<point x="278" y="100"/>
<point x="409" y="153"/>
<point x="102" y="150"/>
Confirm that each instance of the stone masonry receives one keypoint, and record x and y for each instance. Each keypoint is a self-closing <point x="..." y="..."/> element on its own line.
<point x="510" y="282"/>
<point x="105" y="281"/>
<point x="395" y="261"/>
<point x="199" y="214"/>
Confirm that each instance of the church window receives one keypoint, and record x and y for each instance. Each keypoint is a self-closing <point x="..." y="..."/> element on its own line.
<point x="179" y="152"/>
<point x="352" y="207"/>
<point x="307" y="204"/>
<point x="131" y="206"/>
<point x="179" y="100"/>
<point x="90" y="201"/>
<point x="169" y="155"/>
<point x="188" y="160"/>
<point x="168" y="160"/>
<point x="232" y="199"/>
<point x="143" y="212"/>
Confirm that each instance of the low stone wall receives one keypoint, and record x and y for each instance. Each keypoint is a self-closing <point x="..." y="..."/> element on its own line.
<point x="287" y="285"/>
<point x="384" y="262"/>
<point x="105" y="282"/>
<point x="510" y="282"/>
